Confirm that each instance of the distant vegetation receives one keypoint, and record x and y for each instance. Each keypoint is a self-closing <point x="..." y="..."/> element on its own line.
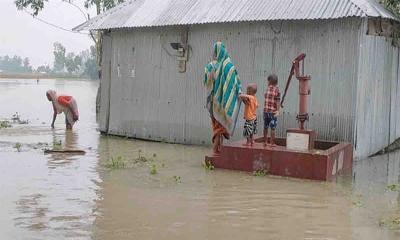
<point x="15" y="64"/>
<point x="82" y="65"/>
<point x="71" y="61"/>
<point x="392" y="5"/>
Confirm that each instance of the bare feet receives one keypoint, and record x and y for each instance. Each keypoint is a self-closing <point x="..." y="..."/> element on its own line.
<point x="246" y="144"/>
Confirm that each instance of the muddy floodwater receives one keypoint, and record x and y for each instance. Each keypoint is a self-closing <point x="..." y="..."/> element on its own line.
<point x="129" y="189"/>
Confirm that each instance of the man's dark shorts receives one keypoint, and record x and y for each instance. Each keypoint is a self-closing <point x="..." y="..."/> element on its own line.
<point x="270" y="121"/>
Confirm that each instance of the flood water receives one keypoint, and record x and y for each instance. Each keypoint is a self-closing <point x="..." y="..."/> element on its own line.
<point x="162" y="191"/>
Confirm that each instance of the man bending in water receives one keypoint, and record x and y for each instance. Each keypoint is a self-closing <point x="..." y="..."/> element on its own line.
<point x="65" y="104"/>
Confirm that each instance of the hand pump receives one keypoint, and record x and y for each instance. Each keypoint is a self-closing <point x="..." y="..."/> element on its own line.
<point x="304" y="89"/>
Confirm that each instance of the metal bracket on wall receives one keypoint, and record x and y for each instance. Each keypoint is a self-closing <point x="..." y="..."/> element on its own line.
<point x="183" y="51"/>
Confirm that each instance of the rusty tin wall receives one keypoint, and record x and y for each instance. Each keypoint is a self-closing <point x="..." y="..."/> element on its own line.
<point x="150" y="99"/>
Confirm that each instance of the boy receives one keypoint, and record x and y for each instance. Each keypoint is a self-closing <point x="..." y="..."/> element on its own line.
<point x="250" y="113"/>
<point x="271" y="108"/>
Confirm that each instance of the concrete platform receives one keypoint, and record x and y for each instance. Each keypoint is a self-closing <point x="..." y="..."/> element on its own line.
<point x="323" y="163"/>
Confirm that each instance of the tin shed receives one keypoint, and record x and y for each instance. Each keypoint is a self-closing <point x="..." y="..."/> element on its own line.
<point x="154" y="52"/>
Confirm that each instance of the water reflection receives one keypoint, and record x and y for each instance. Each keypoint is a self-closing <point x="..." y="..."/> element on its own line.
<point x="67" y="140"/>
<point x="379" y="204"/>
<point x="32" y="213"/>
<point x="224" y="204"/>
<point x="60" y="196"/>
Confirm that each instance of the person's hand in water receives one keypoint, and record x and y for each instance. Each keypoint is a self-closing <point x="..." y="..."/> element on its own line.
<point x="75" y="115"/>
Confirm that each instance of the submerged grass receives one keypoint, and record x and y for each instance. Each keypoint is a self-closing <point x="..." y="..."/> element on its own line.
<point x="5" y="124"/>
<point x="116" y="163"/>
<point x="57" y="145"/>
<point x="18" y="146"/>
<point x="208" y="165"/>
<point x="393" y="187"/>
<point x="357" y="200"/>
<point x="392" y="223"/>
<point x="141" y="158"/>
<point x="177" y="179"/>
<point x="153" y="169"/>
<point x="260" y="173"/>
<point x="119" y="162"/>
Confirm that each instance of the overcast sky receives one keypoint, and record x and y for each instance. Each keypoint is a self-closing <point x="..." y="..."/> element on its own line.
<point x="21" y="34"/>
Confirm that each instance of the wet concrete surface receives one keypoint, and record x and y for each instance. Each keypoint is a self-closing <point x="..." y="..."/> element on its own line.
<point x="129" y="189"/>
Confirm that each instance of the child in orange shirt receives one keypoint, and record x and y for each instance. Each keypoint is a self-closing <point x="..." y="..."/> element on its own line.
<point x="250" y="113"/>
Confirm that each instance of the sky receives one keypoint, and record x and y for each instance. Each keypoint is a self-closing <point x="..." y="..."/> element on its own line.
<point x="21" y="34"/>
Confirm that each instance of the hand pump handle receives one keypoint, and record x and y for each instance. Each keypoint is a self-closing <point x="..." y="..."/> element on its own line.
<point x="294" y="71"/>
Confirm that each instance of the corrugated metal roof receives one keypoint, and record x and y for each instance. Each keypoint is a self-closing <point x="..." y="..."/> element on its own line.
<point x="151" y="13"/>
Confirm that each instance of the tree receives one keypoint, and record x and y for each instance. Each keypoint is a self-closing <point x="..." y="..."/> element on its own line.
<point x="90" y="64"/>
<point x="44" y="69"/>
<point x="59" y="57"/>
<point x="27" y="66"/>
<point x="392" y="5"/>
<point x="101" y="5"/>
<point x="15" y="64"/>
<point x="70" y="63"/>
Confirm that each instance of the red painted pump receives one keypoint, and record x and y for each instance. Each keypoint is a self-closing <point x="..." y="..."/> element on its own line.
<point x="304" y="89"/>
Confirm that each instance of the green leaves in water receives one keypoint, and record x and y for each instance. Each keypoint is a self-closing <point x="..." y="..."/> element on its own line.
<point x="116" y="163"/>
<point x="153" y="169"/>
<point x="177" y="179"/>
<point x="260" y="173"/>
<point x="119" y="162"/>
<point x="358" y="203"/>
<point x="208" y="165"/>
<point x="18" y="146"/>
<point x="357" y="200"/>
<point x="391" y="223"/>
<point x="57" y="145"/>
<point x="393" y="187"/>
<point x="5" y="124"/>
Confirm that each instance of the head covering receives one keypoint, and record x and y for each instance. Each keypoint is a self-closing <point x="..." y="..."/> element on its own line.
<point x="54" y="98"/>
<point x="224" y="86"/>
<point x="65" y="104"/>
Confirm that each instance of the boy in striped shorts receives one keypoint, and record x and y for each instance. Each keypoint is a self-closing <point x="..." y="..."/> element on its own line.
<point x="250" y="113"/>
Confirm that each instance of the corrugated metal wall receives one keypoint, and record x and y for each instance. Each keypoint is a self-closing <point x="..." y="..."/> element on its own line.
<point x="150" y="99"/>
<point x="105" y="86"/>
<point x="378" y="108"/>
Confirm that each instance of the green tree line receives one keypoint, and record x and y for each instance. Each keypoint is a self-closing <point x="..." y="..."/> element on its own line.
<point x="81" y="65"/>
<point x="392" y="5"/>
<point x="15" y="64"/>
<point x="35" y="6"/>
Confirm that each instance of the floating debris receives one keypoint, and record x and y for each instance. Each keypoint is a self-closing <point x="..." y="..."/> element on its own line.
<point x="15" y="117"/>
<point x="69" y="151"/>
